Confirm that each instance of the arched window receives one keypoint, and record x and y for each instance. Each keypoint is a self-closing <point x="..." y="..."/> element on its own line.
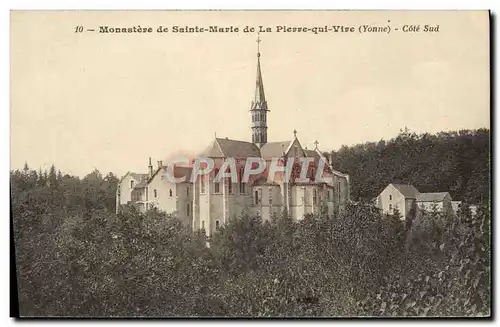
<point x="390" y="196"/>
<point x="169" y="192"/>
<point x="217" y="225"/>
<point x="131" y="184"/>
<point x="390" y="206"/>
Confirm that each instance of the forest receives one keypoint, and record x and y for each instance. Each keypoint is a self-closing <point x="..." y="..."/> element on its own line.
<point x="76" y="258"/>
<point x="457" y="162"/>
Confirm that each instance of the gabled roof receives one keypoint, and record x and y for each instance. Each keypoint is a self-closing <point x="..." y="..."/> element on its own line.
<point x="408" y="191"/>
<point x="274" y="149"/>
<point x="141" y="184"/>
<point x="232" y="149"/>
<point x="432" y="197"/>
<point x="213" y="151"/>
<point x="179" y="172"/>
<point x="137" y="176"/>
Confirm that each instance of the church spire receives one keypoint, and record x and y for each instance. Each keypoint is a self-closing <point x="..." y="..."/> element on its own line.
<point x="259" y="106"/>
<point x="260" y="97"/>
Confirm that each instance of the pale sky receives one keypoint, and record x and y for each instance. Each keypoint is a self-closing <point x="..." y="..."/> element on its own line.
<point x="109" y="101"/>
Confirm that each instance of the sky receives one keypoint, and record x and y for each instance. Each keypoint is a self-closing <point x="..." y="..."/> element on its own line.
<point x="109" y="101"/>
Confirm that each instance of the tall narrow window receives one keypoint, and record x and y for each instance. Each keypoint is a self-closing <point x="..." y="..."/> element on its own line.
<point x="216" y="182"/>
<point x="131" y="184"/>
<point x="338" y="187"/>
<point x="390" y="197"/>
<point x="187" y="191"/>
<point x="202" y="184"/>
<point x="270" y="196"/>
<point x="230" y="186"/>
<point x="217" y="225"/>
<point x="390" y="206"/>
<point x="240" y="179"/>
<point x="156" y="193"/>
<point x="202" y="224"/>
<point x="256" y="197"/>
<point x="169" y="193"/>
<point x="188" y="209"/>
<point x="314" y="197"/>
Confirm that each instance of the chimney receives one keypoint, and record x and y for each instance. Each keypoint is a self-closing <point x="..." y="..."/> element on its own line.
<point x="150" y="168"/>
<point x="160" y="164"/>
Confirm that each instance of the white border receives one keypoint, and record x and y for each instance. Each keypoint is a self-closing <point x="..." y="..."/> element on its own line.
<point x="183" y="4"/>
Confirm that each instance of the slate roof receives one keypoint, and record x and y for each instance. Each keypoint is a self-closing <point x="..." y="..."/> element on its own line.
<point x="139" y="177"/>
<point x="136" y="176"/>
<point x="274" y="149"/>
<point x="311" y="153"/>
<point x="409" y="191"/>
<point x="431" y="197"/>
<point x="179" y="172"/>
<point x="232" y="148"/>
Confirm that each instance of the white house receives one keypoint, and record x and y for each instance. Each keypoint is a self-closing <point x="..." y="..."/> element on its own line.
<point x="405" y="197"/>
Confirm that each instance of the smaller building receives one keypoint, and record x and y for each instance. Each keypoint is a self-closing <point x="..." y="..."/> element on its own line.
<point x="397" y="198"/>
<point x="440" y="202"/>
<point x="129" y="188"/>
<point x="402" y="198"/>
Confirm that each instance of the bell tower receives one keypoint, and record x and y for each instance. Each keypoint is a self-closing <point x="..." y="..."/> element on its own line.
<point x="259" y="107"/>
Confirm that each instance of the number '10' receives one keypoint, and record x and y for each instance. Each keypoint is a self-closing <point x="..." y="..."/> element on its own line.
<point x="78" y="29"/>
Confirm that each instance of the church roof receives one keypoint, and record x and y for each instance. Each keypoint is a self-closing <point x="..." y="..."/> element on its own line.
<point x="409" y="191"/>
<point x="274" y="149"/>
<point x="432" y="197"/>
<point x="311" y="153"/>
<point x="232" y="149"/>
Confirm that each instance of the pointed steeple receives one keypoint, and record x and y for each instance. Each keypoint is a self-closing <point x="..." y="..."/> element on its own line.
<point x="259" y="106"/>
<point x="259" y="101"/>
